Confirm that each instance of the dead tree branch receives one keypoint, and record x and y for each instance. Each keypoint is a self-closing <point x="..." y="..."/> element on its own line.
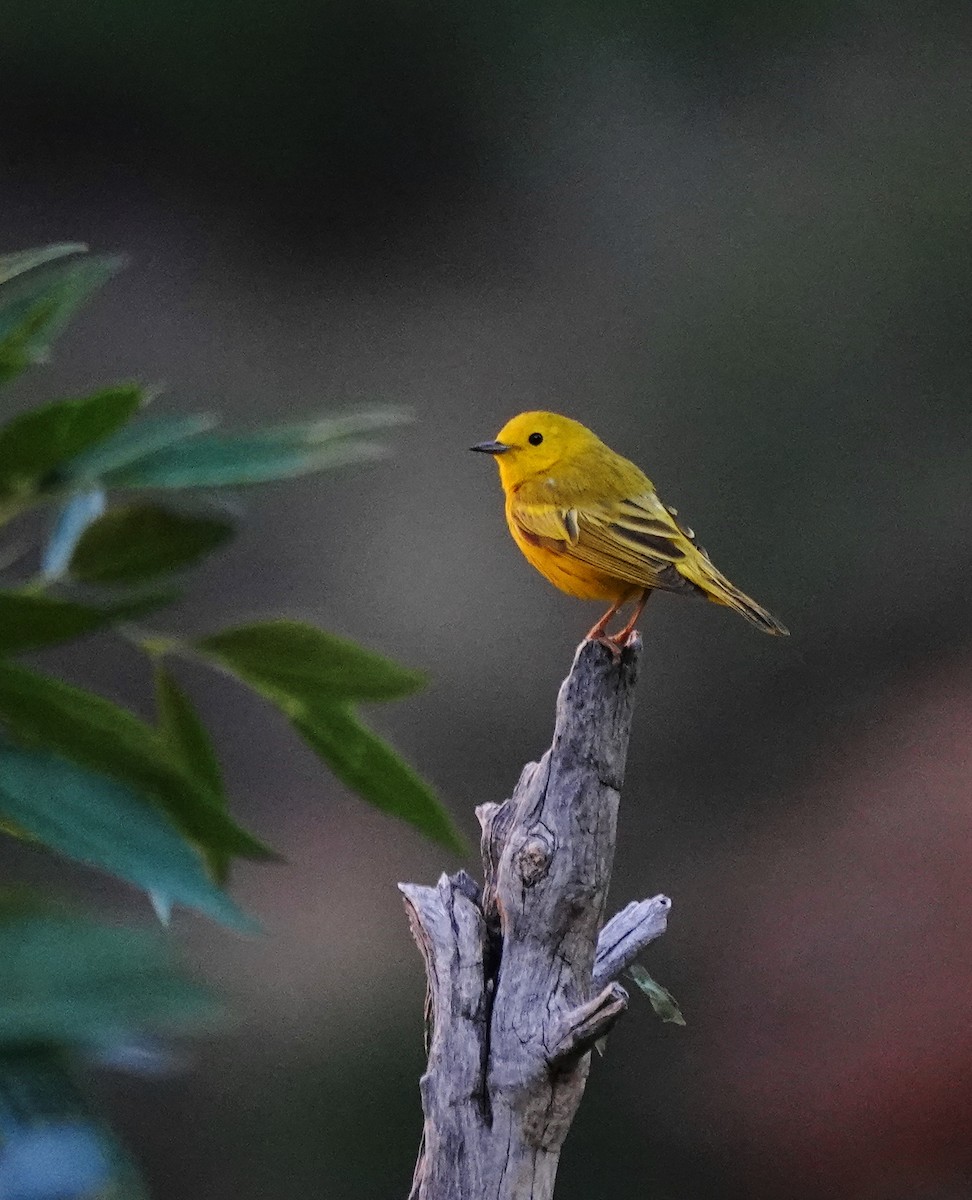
<point x="522" y="976"/>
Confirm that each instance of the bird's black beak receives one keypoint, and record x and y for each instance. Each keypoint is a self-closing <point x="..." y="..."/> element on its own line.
<point x="491" y="447"/>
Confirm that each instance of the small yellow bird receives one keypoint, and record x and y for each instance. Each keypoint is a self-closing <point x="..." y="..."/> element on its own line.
<point x="592" y="523"/>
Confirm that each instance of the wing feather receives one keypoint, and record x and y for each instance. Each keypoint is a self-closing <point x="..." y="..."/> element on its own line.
<point x="636" y="539"/>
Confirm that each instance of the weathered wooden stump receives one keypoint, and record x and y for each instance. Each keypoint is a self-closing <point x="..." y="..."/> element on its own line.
<point x="522" y="976"/>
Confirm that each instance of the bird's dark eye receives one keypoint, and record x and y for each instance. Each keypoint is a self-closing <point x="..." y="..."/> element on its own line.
<point x="535" y="439"/>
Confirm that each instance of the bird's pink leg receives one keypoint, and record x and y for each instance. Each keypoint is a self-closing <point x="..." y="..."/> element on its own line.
<point x="597" y="632"/>
<point x="621" y="637"/>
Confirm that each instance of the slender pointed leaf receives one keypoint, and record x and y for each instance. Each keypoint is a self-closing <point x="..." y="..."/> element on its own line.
<point x="228" y="460"/>
<point x="662" y="1001"/>
<point x="105" y="824"/>
<point x="22" y="261"/>
<point x="36" y="307"/>
<point x="184" y="733"/>
<point x="31" y="620"/>
<point x="282" y="451"/>
<point x="294" y="664"/>
<point x="369" y="766"/>
<point x="321" y="431"/>
<point x="35" y="442"/>
<point x="142" y="541"/>
<point x="40" y="712"/>
<point x="190" y="745"/>
<point x="142" y="438"/>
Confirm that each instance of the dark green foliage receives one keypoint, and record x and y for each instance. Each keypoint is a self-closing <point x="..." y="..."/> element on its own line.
<point x="38" y="711"/>
<point x="184" y="734"/>
<point x="73" y="453"/>
<point x="369" y="766"/>
<point x="36" y="442"/>
<point x="314" y="678"/>
<point x="187" y="741"/>
<point x="299" y="666"/>
<point x="142" y="541"/>
<point x="85" y="777"/>
<point x="32" y="620"/>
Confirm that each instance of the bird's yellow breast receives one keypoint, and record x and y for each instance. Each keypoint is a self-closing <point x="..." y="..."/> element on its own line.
<point x="566" y="572"/>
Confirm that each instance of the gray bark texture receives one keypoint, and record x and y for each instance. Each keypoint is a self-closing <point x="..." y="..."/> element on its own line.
<point x="522" y="976"/>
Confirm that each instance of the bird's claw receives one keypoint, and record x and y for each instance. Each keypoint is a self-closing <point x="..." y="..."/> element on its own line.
<point x="611" y="644"/>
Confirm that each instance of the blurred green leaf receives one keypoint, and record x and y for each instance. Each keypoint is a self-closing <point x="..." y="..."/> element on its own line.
<point x="68" y="980"/>
<point x="141" y="541"/>
<point x="190" y="745"/>
<point x="22" y="261"/>
<point x="32" y="620"/>
<point x="369" y="766"/>
<point x="142" y="438"/>
<point x="218" y="460"/>
<point x="310" y="675"/>
<point x="105" y="824"/>
<point x="35" y="442"/>
<point x="662" y="1001"/>
<point x="94" y="733"/>
<point x="296" y="665"/>
<point x="36" y="307"/>
<point x="184" y="733"/>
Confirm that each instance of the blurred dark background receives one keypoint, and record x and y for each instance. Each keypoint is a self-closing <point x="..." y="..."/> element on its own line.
<point x="734" y="238"/>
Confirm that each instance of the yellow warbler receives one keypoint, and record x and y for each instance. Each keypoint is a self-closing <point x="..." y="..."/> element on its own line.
<point x="592" y="523"/>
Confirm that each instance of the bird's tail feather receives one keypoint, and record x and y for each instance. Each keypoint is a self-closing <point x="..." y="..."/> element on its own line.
<point x="719" y="590"/>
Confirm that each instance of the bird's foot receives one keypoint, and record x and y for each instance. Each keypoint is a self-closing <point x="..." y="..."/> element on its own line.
<point x="610" y="644"/>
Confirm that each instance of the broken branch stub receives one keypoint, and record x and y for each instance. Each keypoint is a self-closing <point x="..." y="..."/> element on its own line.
<point x="520" y="986"/>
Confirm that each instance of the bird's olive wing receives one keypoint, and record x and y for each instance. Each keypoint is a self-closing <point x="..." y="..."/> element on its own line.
<point x="638" y="540"/>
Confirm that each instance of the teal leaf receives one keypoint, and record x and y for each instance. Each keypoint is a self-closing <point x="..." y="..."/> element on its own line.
<point x="33" y="620"/>
<point x="369" y="766"/>
<point x="22" y="261"/>
<point x="298" y="666"/>
<point x="142" y="438"/>
<point x="73" y="519"/>
<point x="67" y="980"/>
<point x="141" y="541"/>
<point x="285" y="451"/>
<point x="41" y="712"/>
<point x="37" y="306"/>
<point x="105" y="824"/>
<point x="37" y="441"/>
<point x="662" y="1001"/>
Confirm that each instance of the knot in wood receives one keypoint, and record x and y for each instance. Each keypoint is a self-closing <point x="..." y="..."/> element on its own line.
<point x="534" y="860"/>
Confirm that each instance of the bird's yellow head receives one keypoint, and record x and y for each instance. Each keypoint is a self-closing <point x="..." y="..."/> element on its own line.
<point x="533" y="443"/>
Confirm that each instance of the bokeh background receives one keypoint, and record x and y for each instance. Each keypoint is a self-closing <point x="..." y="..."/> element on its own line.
<point x="732" y="236"/>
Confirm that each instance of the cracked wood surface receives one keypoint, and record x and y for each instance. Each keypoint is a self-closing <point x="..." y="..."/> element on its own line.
<point x="521" y="974"/>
